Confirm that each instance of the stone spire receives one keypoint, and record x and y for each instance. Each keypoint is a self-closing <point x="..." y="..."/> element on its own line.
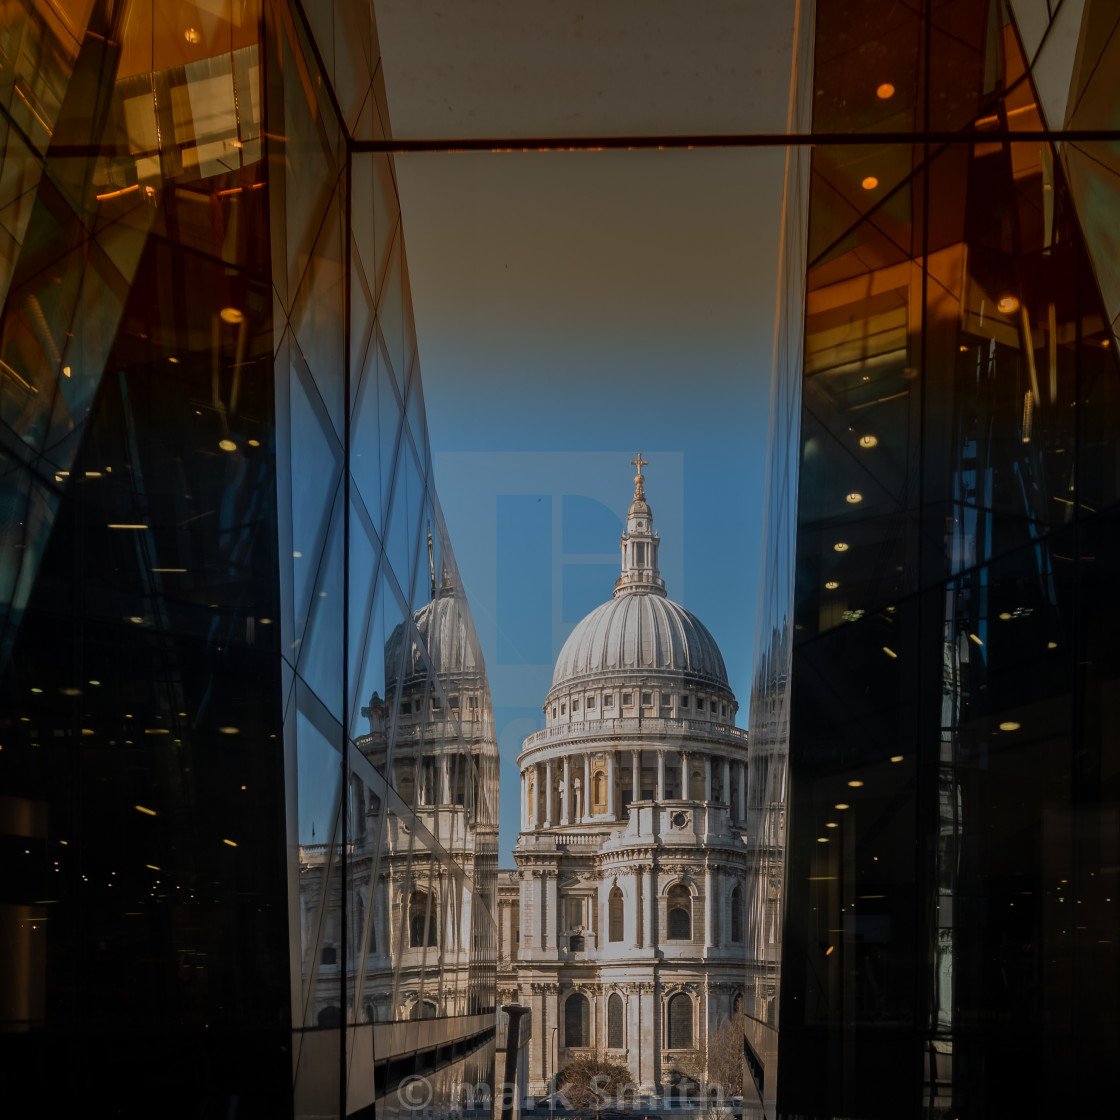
<point x="639" y="543"/>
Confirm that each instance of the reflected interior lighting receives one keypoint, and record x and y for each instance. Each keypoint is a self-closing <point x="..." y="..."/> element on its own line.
<point x="884" y="91"/>
<point x="169" y="569"/>
<point x="1104" y="343"/>
<point x="36" y="690"/>
<point x="868" y="441"/>
<point x="135" y="618"/>
<point x="1008" y="304"/>
<point x="896" y="758"/>
<point x="124" y="525"/>
<point x="964" y="349"/>
<point x="822" y="839"/>
<point x="890" y="652"/>
<point x="831" y="824"/>
<point x="841" y="805"/>
<point x="1049" y="645"/>
<point x="855" y="783"/>
<point x="117" y="194"/>
<point x="229" y="730"/>
<point x="828" y="951"/>
<point x="841" y="546"/>
<point x="145" y="810"/>
<point x="152" y="866"/>
<point x="231" y="315"/>
<point x="854" y="497"/>
<point x="265" y="621"/>
<point x="1005" y="616"/>
<point x="254" y="443"/>
<point x="95" y="682"/>
<point x="231" y="843"/>
<point x="297" y="555"/>
<point x="70" y="691"/>
<point x="65" y="371"/>
<point x="832" y="585"/>
<point x="1009" y="725"/>
<point x="173" y="361"/>
<point x="191" y="35"/>
<point x="974" y="638"/>
<point x="227" y="445"/>
<point x="156" y="731"/>
<point x="93" y="474"/>
<point x="869" y="183"/>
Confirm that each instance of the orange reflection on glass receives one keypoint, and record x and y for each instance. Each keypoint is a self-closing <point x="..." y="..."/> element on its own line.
<point x="884" y="91"/>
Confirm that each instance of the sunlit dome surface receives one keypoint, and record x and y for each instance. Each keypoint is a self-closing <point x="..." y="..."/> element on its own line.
<point x="641" y="631"/>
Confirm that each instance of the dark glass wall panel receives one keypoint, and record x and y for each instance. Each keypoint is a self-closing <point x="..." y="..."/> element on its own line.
<point x="245" y="710"/>
<point x="950" y="806"/>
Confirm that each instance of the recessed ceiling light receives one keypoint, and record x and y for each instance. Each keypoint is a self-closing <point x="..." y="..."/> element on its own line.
<point x="227" y="445"/>
<point x="1008" y="304"/>
<point x="832" y="585"/>
<point x="841" y="805"/>
<point x="869" y="183"/>
<point x="841" y="546"/>
<point x="868" y="441"/>
<point x="855" y="783"/>
<point x="890" y="653"/>
<point x="1009" y="725"/>
<point x="884" y="91"/>
<point x="854" y="497"/>
<point x="231" y="315"/>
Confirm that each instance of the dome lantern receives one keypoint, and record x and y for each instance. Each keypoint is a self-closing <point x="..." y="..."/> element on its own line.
<point x="639" y="543"/>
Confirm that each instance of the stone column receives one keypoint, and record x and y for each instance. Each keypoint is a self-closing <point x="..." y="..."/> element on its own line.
<point x="742" y="792"/>
<point x="709" y="909"/>
<point x="548" y="794"/>
<point x="566" y="796"/>
<point x="552" y="919"/>
<point x="648" y="903"/>
<point x="660" y="774"/>
<point x="635" y="775"/>
<point x="685" y="791"/>
<point x="727" y="781"/>
<point x="650" y="1029"/>
<point x="586" y="787"/>
<point x="612" y="811"/>
<point x="641" y="931"/>
<point x="707" y="777"/>
<point x="533" y="779"/>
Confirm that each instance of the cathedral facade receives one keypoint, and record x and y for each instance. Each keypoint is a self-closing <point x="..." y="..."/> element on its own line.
<point x="622" y="926"/>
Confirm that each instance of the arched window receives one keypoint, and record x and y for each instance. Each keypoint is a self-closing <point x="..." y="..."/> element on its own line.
<point x="599" y="788"/>
<point x="423" y="1009"/>
<point x="680" y="1022"/>
<point x="330" y="1016"/>
<point x="421" y="920"/>
<point x="678" y="903"/>
<point x="615" y="920"/>
<point x="737" y="914"/>
<point x="577" y="1021"/>
<point x="614" y="1022"/>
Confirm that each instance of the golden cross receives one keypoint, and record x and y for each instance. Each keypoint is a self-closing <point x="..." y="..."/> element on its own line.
<point x="639" y="462"/>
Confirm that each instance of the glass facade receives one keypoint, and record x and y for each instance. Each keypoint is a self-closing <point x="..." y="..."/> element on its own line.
<point x="934" y="726"/>
<point x="248" y="775"/>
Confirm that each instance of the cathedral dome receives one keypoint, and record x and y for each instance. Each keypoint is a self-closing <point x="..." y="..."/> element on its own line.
<point x="446" y="632"/>
<point x="641" y="631"/>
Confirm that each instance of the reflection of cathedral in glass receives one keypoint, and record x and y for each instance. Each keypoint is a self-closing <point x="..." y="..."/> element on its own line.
<point x="425" y="923"/>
